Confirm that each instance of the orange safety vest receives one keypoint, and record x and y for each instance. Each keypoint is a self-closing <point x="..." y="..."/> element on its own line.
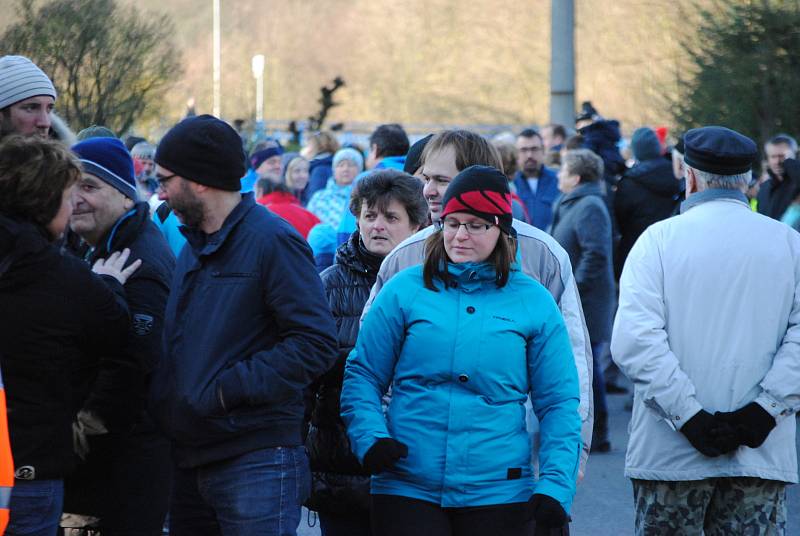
<point x="6" y="462"/>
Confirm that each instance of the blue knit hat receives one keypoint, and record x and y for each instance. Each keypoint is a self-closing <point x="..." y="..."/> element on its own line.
<point x="273" y="148"/>
<point x="348" y="153"/>
<point x="108" y="160"/>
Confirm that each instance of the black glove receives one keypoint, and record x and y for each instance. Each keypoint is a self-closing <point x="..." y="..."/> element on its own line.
<point x="709" y="435"/>
<point x="751" y="422"/>
<point x="383" y="454"/>
<point x="547" y="512"/>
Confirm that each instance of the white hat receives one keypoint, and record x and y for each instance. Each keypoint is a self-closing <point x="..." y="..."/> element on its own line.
<point x="21" y="79"/>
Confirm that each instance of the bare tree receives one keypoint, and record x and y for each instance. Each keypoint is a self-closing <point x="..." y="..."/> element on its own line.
<point x="110" y="65"/>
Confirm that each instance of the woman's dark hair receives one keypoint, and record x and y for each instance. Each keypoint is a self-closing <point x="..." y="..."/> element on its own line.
<point x="34" y="172"/>
<point x="380" y="187"/>
<point x="436" y="259"/>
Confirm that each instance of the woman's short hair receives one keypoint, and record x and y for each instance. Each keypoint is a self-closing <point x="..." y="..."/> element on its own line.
<point x="378" y="189"/>
<point x="436" y="259"/>
<point x="471" y="149"/>
<point x="584" y="163"/>
<point x="324" y="142"/>
<point x="34" y="172"/>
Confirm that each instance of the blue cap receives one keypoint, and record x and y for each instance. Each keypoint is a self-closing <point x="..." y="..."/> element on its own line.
<point x="108" y="160"/>
<point x="719" y="150"/>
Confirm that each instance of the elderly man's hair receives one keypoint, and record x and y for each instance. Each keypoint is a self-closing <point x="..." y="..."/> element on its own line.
<point x="783" y="139"/>
<point x="739" y="181"/>
<point x="584" y="163"/>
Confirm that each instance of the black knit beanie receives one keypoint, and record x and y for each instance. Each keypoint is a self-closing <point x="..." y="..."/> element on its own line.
<point x="414" y="155"/>
<point x="204" y="150"/>
<point x="483" y="192"/>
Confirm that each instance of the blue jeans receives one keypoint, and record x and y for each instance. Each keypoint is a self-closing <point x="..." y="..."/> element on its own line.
<point x="35" y="507"/>
<point x="258" y="493"/>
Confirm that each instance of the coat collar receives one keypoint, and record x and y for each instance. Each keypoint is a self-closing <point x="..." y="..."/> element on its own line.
<point x="712" y="194"/>
<point x="204" y="244"/>
<point x="583" y="190"/>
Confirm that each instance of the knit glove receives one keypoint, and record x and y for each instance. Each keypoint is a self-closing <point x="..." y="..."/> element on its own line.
<point x="86" y="424"/>
<point x="709" y="435"/>
<point x="383" y="455"/>
<point x="547" y="512"/>
<point x="751" y="422"/>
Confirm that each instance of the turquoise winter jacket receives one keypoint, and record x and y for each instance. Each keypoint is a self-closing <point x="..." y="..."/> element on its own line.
<point x="461" y="363"/>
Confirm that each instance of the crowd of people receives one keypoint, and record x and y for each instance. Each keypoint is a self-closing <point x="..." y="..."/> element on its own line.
<point x="409" y="339"/>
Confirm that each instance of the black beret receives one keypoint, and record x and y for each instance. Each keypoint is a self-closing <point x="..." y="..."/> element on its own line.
<point x="415" y="155"/>
<point x="719" y="150"/>
<point x="205" y="150"/>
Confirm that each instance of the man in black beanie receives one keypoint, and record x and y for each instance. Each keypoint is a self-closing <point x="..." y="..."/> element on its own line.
<point x="247" y="330"/>
<point x="708" y="330"/>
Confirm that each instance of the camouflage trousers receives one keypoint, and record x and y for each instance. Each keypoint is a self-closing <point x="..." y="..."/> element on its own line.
<point x="741" y="506"/>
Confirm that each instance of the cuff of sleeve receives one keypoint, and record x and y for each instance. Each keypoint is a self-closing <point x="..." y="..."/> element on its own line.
<point x="688" y="409"/>
<point x="772" y="405"/>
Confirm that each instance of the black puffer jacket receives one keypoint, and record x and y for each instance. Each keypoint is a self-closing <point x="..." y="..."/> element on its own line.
<point x="54" y="312"/>
<point x="647" y="193"/>
<point x="340" y="483"/>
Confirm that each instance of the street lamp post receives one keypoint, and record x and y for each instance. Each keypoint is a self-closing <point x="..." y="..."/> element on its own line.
<point x="258" y="73"/>
<point x="217" y="61"/>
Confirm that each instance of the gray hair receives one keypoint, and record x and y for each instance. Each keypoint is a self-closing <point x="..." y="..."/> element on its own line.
<point x="584" y="163"/>
<point x="783" y="139"/>
<point x="707" y="180"/>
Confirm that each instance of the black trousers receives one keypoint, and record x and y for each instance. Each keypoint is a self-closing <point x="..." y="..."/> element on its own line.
<point x="393" y="515"/>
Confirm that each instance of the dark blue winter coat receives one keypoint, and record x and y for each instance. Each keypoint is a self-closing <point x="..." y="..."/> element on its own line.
<point x="247" y="330"/>
<point x="320" y="169"/>
<point x="539" y="204"/>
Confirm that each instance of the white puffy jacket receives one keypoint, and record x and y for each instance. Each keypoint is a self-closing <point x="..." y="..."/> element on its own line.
<point x="709" y="318"/>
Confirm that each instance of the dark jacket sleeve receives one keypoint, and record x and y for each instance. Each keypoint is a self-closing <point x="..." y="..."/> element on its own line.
<point x="594" y="238"/>
<point x="106" y="329"/>
<point x="305" y="328"/>
<point x="120" y="389"/>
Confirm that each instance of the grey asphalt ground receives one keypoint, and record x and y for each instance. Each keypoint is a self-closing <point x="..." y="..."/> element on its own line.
<point x="604" y="501"/>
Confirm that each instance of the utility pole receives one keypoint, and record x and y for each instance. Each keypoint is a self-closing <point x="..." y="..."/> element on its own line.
<point x="562" y="62"/>
<point x="257" y="65"/>
<point x="217" y="61"/>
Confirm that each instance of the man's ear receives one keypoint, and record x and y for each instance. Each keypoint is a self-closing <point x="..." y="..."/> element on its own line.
<point x="129" y="203"/>
<point x="691" y="180"/>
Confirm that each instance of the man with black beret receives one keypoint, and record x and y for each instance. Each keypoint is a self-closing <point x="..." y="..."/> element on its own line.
<point x="247" y="330"/>
<point x="708" y="330"/>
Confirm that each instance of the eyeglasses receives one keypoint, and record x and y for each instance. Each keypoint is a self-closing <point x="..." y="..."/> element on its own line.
<point x="163" y="179"/>
<point x="451" y="225"/>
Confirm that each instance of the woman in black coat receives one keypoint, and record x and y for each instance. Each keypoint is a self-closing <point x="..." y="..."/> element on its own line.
<point x="389" y="207"/>
<point x="582" y="225"/>
<point x="53" y="312"/>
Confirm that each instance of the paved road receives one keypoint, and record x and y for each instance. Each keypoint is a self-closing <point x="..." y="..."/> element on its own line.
<point x="604" y="502"/>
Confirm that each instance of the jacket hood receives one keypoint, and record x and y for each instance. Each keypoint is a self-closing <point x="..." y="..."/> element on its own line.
<point x="25" y="253"/>
<point x="354" y="255"/>
<point x="608" y="130"/>
<point x="656" y="176"/>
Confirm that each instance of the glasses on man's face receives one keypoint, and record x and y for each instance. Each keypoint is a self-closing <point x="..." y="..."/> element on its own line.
<point x="451" y="225"/>
<point x="163" y="180"/>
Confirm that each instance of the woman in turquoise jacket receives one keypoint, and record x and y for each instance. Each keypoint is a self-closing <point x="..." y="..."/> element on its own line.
<point x="463" y="340"/>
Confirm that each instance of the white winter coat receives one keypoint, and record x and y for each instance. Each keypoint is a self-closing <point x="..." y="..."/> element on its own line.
<point x="709" y="318"/>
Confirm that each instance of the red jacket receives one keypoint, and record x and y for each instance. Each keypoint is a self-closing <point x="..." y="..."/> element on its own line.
<point x="288" y="207"/>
